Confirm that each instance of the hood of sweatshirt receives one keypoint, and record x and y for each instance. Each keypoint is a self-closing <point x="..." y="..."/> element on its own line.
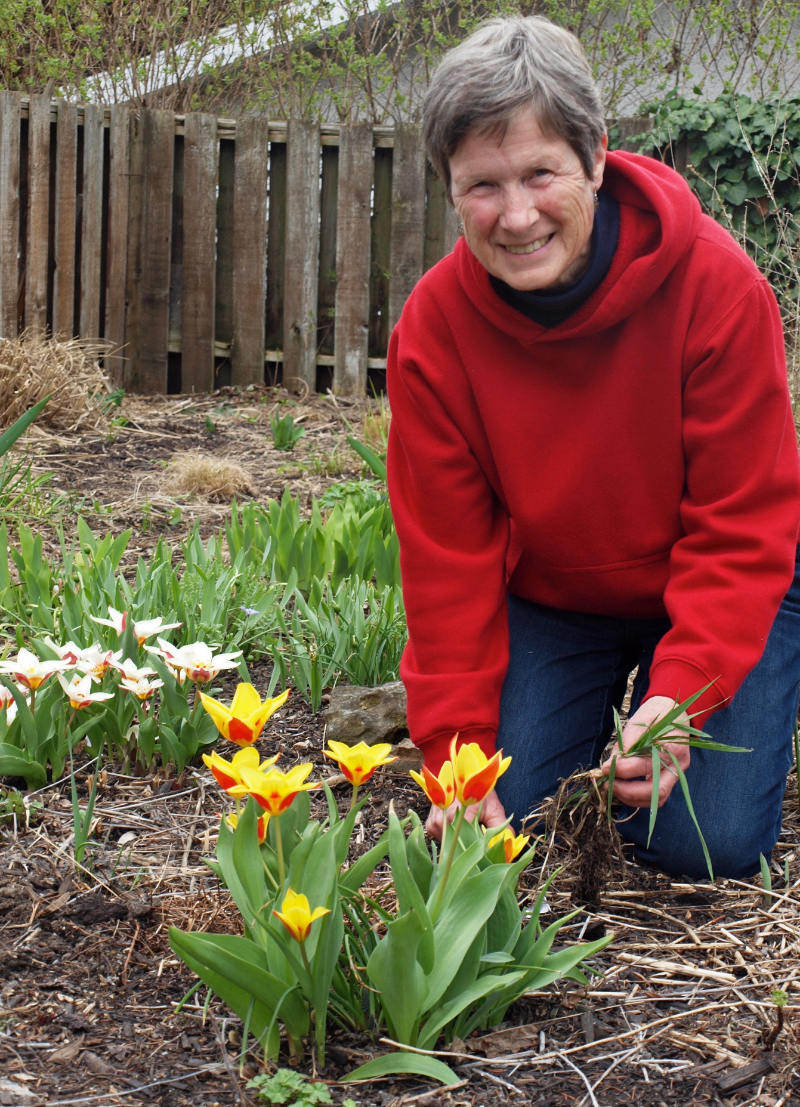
<point x="653" y="240"/>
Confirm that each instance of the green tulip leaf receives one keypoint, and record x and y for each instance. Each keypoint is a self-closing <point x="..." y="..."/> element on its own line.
<point x="404" y="1064"/>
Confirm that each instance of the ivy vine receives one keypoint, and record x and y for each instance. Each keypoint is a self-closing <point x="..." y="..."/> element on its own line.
<point x="742" y="158"/>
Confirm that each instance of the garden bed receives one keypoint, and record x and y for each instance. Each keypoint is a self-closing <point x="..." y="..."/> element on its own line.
<point x="681" y="1011"/>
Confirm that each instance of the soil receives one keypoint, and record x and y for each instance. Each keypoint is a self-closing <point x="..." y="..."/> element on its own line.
<point x="680" y="1011"/>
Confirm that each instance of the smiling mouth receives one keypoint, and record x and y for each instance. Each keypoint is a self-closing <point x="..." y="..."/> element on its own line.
<point x="529" y="247"/>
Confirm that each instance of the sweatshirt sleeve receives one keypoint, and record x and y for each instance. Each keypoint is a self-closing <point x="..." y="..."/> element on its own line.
<point x="732" y="566"/>
<point x="453" y="534"/>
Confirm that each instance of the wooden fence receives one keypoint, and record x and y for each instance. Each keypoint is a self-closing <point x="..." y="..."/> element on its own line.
<point x="211" y="251"/>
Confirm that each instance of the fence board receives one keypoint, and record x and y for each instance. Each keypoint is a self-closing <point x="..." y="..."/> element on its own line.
<point x="352" y="259"/>
<point x="223" y="297"/>
<point x="408" y="216"/>
<point x="65" y="203"/>
<point x="302" y="256"/>
<point x="199" y="249"/>
<point x="10" y="110"/>
<point x="152" y="177"/>
<point x="37" y="253"/>
<point x="89" y="314"/>
<point x="250" y="250"/>
<point x="326" y="293"/>
<point x="119" y="174"/>
<point x="276" y="240"/>
<point x="380" y="252"/>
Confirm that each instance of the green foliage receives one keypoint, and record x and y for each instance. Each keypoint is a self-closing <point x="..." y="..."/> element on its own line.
<point x="286" y="1086"/>
<point x="285" y="432"/>
<point x="742" y="159"/>
<point x="448" y="957"/>
<point x="319" y="596"/>
<point x="367" y="60"/>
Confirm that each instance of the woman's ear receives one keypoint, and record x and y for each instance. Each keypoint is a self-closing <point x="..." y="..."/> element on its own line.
<point x="599" y="162"/>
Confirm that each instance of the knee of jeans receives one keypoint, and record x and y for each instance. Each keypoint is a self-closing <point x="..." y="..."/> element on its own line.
<point x="733" y="852"/>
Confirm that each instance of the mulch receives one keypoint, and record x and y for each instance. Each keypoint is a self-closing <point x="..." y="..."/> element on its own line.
<point x="95" y="1009"/>
<point x="679" y="1013"/>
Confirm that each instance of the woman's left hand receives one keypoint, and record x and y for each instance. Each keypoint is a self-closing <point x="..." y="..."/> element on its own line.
<point x="633" y="776"/>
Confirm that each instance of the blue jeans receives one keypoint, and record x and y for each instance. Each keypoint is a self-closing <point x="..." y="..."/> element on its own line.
<point x="568" y="671"/>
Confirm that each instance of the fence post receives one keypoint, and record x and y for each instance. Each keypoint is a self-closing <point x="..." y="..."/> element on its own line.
<point x="150" y="227"/>
<point x="10" y="110"/>
<point x="302" y="256"/>
<point x="249" y="249"/>
<point x="199" y="251"/>
<point x="352" y="260"/>
<point x="91" y="222"/>
<point x="37" y="260"/>
<point x="65" y="204"/>
<point x="408" y="216"/>
<point x="119" y="178"/>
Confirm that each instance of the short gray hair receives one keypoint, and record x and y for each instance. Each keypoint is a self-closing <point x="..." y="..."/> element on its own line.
<point x="508" y="64"/>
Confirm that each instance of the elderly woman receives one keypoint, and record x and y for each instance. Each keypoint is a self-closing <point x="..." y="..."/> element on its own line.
<point x="593" y="465"/>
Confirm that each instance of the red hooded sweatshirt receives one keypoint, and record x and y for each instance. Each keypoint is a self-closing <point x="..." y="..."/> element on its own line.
<point x="638" y="459"/>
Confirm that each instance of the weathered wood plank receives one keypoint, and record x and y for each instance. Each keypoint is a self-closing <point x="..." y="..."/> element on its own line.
<point x="326" y="293"/>
<point x="37" y="253"/>
<point x="10" y="108"/>
<point x="151" y="276"/>
<point x="441" y="223"/>
<point x="91" y="276"/>
<point x="119" y="171"/>
<point x="223" y="309"/>
<point x="65" y="214"/>
<point x="250" y="250"/>
<point x="408" y="216"/>
<point x="352" y="259"/>
<point x="199" y="250"/>
<point x="302" y="256"/>
<point x="381" y="252"/>
<point x="276" y="245"/>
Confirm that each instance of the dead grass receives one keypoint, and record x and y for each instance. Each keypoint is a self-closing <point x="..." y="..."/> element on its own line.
<point x="205" y="475"/>
<point x="32" y="367"/>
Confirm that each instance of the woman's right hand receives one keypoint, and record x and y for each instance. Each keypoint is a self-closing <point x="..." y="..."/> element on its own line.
<point x="490" y="813"/>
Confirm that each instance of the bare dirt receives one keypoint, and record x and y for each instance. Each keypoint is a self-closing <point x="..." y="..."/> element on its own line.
<point x="681" y="1011"/>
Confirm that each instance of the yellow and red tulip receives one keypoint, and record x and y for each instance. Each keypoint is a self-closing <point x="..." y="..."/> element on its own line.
<point x="297" y="916"/>
<point x="475" y="773"/>
<point x="228" y="774"/>
<point x="441" y="789"/>
<point x="273" y="790"/>
<point x="244" y="720"/>
<point x="359" y="762"/>
<point x="513" y="845"/>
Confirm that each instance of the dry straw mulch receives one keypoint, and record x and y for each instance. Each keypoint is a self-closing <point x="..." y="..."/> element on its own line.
<point x="680" y="1012"/>
<point x="32" y="367"/>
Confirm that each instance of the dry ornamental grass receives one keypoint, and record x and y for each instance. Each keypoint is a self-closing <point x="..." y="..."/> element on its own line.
<point x="32" y="367"/>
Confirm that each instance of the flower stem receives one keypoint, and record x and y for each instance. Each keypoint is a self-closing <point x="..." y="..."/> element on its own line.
<point x="354" y="797"/>
<point x="279" y="851"/>
<point x="319" y="1026"/>
<point x="448" y="864"/>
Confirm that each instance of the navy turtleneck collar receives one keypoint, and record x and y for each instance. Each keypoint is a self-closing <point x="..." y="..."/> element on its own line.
<point x="550" y="308"/>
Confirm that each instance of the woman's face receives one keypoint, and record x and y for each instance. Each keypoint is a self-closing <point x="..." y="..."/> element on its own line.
<point x="526" y="204"/>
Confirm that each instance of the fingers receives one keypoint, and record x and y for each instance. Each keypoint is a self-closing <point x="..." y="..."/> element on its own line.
<point x="490" y="813"/>
<point x="633" y="776"/>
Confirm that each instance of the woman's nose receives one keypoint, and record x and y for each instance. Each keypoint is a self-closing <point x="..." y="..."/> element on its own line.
<point x="518" y="207"/>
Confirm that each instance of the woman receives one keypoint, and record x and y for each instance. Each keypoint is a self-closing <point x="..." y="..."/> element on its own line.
<point x="593" y="464"/>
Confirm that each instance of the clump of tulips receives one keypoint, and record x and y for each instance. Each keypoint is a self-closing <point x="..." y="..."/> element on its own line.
<point x="444" y="954"/>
